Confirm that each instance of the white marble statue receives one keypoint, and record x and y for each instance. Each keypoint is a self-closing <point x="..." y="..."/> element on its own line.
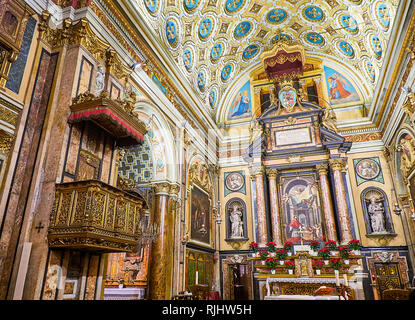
<point x="237" y="227"/>
<point x="376" y="212"/>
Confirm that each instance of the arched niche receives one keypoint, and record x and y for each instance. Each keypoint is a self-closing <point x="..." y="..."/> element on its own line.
<point x="236" y="226"/>
<point x="378" y="219"/>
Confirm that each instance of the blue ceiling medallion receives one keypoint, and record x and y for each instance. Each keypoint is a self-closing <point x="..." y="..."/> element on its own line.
<point x="190" y="5"/>
<point x="212" y="98"/>
<point x="216" y="52"/>
<point x="250" y="52"/>
<point x="242" y="29"/>
<point x="346" y="48"/>
<point x="349" y="23"/>
<point x="187" y="58"/>
<point x="276" y="16"/>
<point x="151" y="5"/>
<point x="314" y="38"/>
<point x="205" y="28"/>
<point x="376" y="46"/>
<point x="233" y="6"/>
<point x="171" y="32"/>
<point x="383" y="14"/>
<point x="226" y="72"/>
<point x="201" y="81"/>
<point x="313" y="14"/>
<point x="370" y="70"/>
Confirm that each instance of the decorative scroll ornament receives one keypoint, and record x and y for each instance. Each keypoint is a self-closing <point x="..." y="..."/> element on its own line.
<point x="199" y="174"/>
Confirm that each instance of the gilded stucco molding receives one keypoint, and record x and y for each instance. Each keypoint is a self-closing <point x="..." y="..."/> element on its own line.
<point x="6" y="142"/>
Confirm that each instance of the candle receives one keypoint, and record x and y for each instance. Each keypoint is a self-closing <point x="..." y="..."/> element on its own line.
<point x="337" y="280"/>
<point x="345" y="280"/>
<point x="197" y="277"/>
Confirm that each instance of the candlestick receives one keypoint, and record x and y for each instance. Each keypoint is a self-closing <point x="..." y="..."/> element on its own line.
<point x="197" y="277"/>
<point x="346" y="283"/>
<point x="337" y="280"/>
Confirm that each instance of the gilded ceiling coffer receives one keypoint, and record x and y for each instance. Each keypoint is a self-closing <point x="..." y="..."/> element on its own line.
<point x="92" y="215"/>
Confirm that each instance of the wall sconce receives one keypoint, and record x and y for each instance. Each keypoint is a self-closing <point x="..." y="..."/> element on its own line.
<point x="397" y="210"/>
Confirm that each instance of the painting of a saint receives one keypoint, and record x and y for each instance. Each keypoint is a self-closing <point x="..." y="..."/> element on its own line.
<point x="200" y="216"/>
<point x="340" y="90"/>
<point x="300" y="202"/>
<point x="241" y="105"/>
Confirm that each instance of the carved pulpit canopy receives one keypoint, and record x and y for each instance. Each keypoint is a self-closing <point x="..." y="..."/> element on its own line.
<point x="114" y="116"/>
<point x="284" y="60"/>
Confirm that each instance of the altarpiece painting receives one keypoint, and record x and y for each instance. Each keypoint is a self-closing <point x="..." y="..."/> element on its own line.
<point x="300" y="204"/>
<point x="200" y="216"/>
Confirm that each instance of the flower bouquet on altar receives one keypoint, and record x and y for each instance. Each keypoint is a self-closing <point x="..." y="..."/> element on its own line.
<point x="271" y="263"/>
<point x="288" y="246"/>
<point x="290" y="265"/>
<point x="336" y="264"/>
<point x="345" y="253"/>
<point x="331" y="245"/>
<point x="271" y="246"/>
<point x="254" y="247"/>
<point x="325" y="254"/>
<point x="281" y="254"/>
<point x="263" y="254"/>
<point x="315" y="245"/>
<point x="317" y="264"/>
<point x="355" y="246"/>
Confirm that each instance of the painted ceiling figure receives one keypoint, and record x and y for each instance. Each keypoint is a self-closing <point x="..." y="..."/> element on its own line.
<point x="336" y="87"/>
<point x="241" y="104"/>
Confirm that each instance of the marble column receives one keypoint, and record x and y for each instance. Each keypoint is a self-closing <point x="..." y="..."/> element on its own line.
<point x="260" y="207"/>
<point x="327" y="202"/>
<point x="337" y="166"/>
<point x="159" y="248"/>
<point x="275" y="222"/>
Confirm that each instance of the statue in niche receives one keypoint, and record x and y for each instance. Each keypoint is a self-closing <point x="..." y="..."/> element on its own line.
<point x="237" y="225"/>
<point x="376" y="213"/>
<point x="100" y="80"/>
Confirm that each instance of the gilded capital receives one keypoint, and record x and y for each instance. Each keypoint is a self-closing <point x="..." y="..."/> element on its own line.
<point x="322" y="169"/>
<point x="174" y="190"/>
<point x="161" y="188"/>
<point x="272" y="173"/>
<point x="256" y="171"/>
<point x="337" y="164"/>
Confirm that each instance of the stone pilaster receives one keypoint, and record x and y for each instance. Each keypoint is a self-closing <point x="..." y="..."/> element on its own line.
<point x="337" y="166"/>
<point x="260" y="206"/>
<point x="327" y="202"/>
<point x="275" y="222"/>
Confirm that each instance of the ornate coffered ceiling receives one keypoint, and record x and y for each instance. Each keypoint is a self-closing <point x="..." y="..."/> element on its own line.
<point x="215" y="41"/>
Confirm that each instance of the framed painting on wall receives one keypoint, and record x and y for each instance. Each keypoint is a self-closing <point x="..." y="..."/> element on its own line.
<point x="200" y="217"/>
<point x="300" y="204"/>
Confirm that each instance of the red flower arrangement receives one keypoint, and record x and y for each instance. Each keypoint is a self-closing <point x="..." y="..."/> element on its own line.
<point x="331" y="245"/>
<point x="290" y="264"/>
<point x="281" y="254"/>
<point x="263" y="254"/>
<point x="354" y="244"/>
<point x="344" y="252"/>
<point x="317" y="264"/>
<point x="314" y="245"/>
<point x="271" y="246"/>
<point x="336" y="263"/>
<point x="271" y="262"/>
<point x="254" y="246"/>
<point x="324" y="253"/>
<point x="288" y="245"/>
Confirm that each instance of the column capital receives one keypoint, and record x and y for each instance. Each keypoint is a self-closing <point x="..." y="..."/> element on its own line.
<point x="322" y="168"/>
<point x="272" y="173"/>
<point x="174" y="190"/>
<point x="256" y="171"/>
<point x="337" y="164"/>
<point x="161" y="188"/>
